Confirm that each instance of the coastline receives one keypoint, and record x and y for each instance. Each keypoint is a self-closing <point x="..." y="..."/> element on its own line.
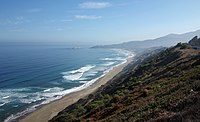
<point x="48" y="111"/>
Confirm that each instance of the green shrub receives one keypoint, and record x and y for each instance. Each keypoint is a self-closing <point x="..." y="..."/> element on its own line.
<point x="184" y="46"/>
<point x="66" y="118"/>
<point x="79" y="110"/>
<point x="196" y="86"/>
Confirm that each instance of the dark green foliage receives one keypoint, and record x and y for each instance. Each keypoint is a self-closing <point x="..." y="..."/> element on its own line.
<point x="66" y="118"/>
<point x="179" y="44"/>
<point x="183" y="45"/>
<point x="94" y="105"/>
<point x="196" y="63"/>
<point x="79" y="110"/>
<point x="196" y="86"/>
<point x="164" y="87"/>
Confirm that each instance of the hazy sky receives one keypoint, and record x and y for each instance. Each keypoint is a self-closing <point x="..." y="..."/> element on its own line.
<point x="97" y="21"/>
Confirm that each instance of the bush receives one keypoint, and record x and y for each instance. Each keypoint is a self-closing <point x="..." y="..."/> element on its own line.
<point x="196" y="86"/>
<point x="79" y="110"/>
<point x="116" y="99"/>
<point x="179" y="44"/>
<point x="66" y="118"/>
<point x="145" y="93"/>
<point x="184" y="46"/>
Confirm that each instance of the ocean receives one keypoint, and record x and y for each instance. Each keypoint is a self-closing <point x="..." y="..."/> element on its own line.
<point x="32" y="75"/>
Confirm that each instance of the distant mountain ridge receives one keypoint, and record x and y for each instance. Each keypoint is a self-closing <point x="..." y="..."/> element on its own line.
<point x="165" y="41"/>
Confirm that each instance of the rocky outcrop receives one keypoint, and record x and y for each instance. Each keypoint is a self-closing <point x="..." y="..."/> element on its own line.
<point x="195" y="41"/>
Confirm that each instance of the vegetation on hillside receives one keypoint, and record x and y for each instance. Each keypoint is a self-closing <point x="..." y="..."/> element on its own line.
<point x="195" y="41"/>
<point x="164" y="87"/>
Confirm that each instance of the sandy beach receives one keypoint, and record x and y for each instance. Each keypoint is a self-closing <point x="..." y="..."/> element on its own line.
<point x="48" y="111"/>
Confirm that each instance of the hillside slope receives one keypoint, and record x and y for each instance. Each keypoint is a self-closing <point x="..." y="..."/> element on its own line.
<point x="164" y="41"/>
<point x="164" y="87"/>
<point x="195" y="41"/>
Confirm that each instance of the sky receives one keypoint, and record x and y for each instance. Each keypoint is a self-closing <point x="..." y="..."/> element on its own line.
<point x="95" y="21"/>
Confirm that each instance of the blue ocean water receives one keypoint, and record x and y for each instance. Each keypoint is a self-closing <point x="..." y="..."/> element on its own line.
<point x="34" y="75"/>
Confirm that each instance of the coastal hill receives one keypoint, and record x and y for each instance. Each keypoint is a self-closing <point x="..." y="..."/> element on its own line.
<point x="195" y="41"/>
<point x="163" y="87"/>
<point x="165" y="41"/>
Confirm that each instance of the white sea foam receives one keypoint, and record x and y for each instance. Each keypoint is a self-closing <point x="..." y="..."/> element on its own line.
<point x="83" y="81"/>
<point x="6" y="97"/>
<point x="123" y="52"/>
<point x="15" y="106"/>
<point x="77" y="74"/>
<point x="33" y="99"/>
<point x="108" y="63"/>
<point x="14" y="117"/>
<point x="82" y="69"/>
<point x="91" y="74"/>
<point x="59" y="95"/>
<point x="2" y="104"/>
<point x="82" y="78"/>
<point x="37" y="97"/>
<point x="11" y="95"/>
<point x="113" y="59"/>
<point x="73" y="76"/>
<point x="27" y="97"/>
<point x="100" y="69"/>
<point x="46" y="90"/>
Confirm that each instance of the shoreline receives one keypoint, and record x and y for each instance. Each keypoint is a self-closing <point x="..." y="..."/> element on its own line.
<point x="48" y="111"/>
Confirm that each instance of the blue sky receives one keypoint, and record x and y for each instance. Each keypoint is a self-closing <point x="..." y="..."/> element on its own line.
<point x="95" y="21"/>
